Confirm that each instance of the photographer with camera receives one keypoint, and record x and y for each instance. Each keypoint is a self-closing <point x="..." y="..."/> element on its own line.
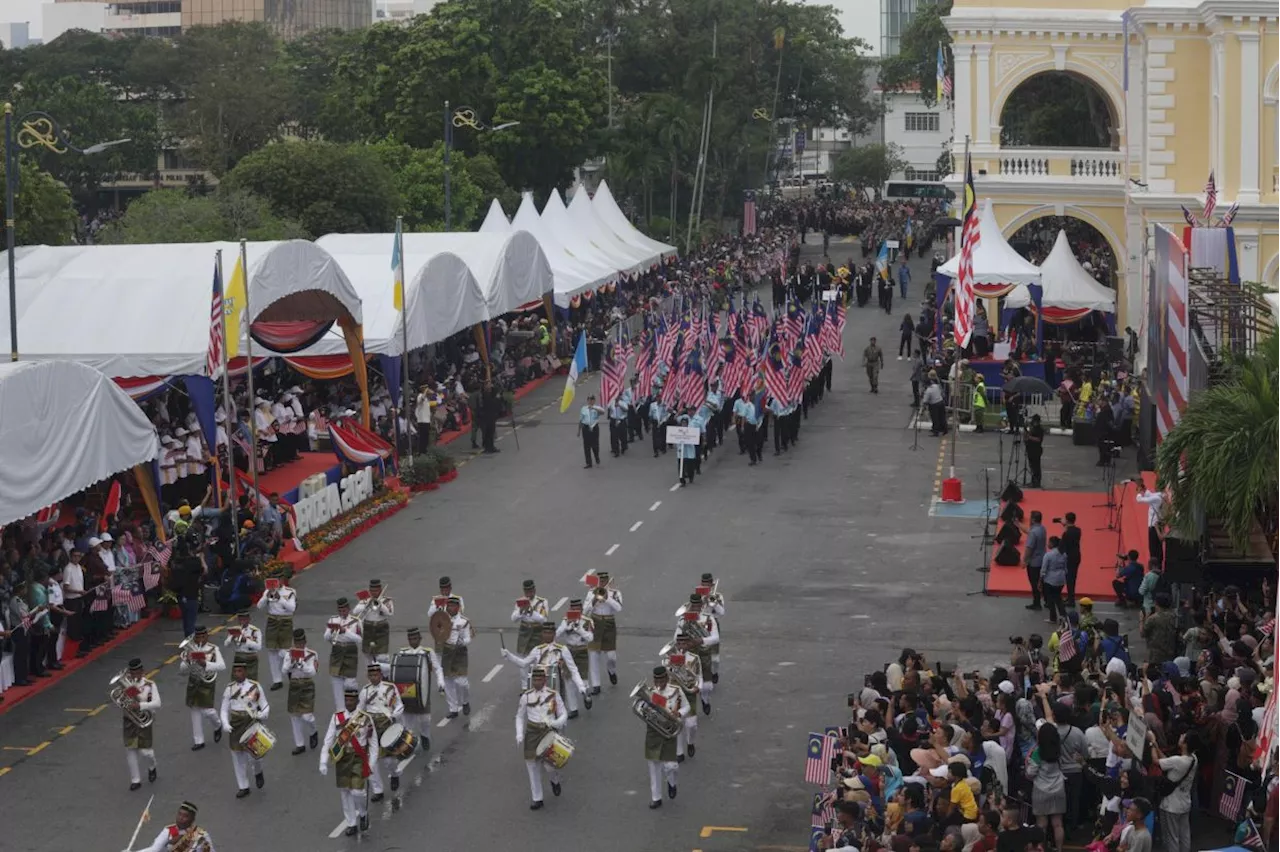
<point x="1104" y="427"/>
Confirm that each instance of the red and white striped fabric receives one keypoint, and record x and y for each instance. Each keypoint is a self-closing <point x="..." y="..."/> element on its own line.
<point x="213" y="359"/>
<point x="356" y="445"/>
<point x="646" y="370"/>
<point x="970" y="237"/>
<point x="1210" y="196"/>
<point x="1169" y="410"/>
<point x="612" y="374"/>
<point x="142" y="387"/>
<point x="749" y="214"/>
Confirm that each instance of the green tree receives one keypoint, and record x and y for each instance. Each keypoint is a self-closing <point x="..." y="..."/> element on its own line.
<point x="418" y="177"/>
<point x="327" y="188"/>
<point x="1059" y="110"/>
<point x="1220" y="459"/>
<point x="174" y="216"/>
<point x="319" y="99"/>
<point x="868" y="167"/>
<point x="43" y="213"/>
<point x="916" y="65"/>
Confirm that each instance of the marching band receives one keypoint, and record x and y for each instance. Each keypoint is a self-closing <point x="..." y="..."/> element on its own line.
<point x="379" y="728"/>
<point x="280" y="602"/>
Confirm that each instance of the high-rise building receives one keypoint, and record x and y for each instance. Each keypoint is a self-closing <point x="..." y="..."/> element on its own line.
<point x="894" y="17"/>
<point x="288" y="18"/>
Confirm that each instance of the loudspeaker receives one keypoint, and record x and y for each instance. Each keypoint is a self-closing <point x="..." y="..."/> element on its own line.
<point x="1115" y="349"/>
<point x="1182" y="561"/>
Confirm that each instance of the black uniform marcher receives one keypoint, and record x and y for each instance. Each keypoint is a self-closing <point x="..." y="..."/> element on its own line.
<point x="490" y="408"/>
<point x="1034" y="445"/>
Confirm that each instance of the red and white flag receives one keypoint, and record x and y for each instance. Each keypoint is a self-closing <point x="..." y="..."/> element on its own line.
<point x="970" y="238"/>
<point x="213" y="361"/>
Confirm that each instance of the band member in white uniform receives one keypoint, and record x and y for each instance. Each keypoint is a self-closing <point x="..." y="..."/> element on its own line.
<point x="343" y="632"/>
<point x="603" y="605"/>
<point x="690" y="661"/>
<point x="575" y="632"/>
<point x="142" y="695"/>
<point x="549" y="654"/>
<point x="701" y="646"/>
<point x="441" y="600"/>
<point x="714" y="605"/>
<point x="280" y="604"/>
<point x="453" y="660"/>
<point x="531" y="610"/>
<point x="346" y="744"/>
<point x="659" y="751"/>
<point x="420" y="722"/>
<point x="244" y="702"/>
<point x="381" y="700"/>
<point x="538" y="712"/>
<point x="375" y="612"/>
<point x="300" y="666"/>
<point x="201" y="658"/>
<point x="182" y="834"/>
<point x="245" y="640"/>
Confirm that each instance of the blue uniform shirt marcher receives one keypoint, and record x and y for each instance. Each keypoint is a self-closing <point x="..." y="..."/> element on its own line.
<point x="753" y="414"/>
<point x="624" y="399"/>
<point x="715" y="399"/>
<point x="686" y="451"/>
<point x="618" y="411"/>
<point x="657" y="412"/>
<point x="699" y="420"/>
<point x="778" y="409"/>
<point x="589" y="416"/>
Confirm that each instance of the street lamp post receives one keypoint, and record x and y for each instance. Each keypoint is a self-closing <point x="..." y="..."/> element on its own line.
<point x="35" y="129"/>
<point x="463" y="116"/>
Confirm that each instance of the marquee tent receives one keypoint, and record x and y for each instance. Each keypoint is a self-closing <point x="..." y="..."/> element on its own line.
<point x="997" y="268"/>
<point x="579" y="241"/>
<point x="611" y="215"/>
<point x="41" y="464"/>
<point x="573" y="275"/>
<point x="1070" y="292"/>
<point x="584" y="216"/>
<point x="495" y="221"/>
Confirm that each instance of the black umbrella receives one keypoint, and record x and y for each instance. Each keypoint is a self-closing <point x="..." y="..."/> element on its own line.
<point x="948" y="222"/>
<point x="1029" y="385"/>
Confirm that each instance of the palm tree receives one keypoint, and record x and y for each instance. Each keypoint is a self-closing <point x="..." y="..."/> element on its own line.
<point x="1220" y="459"/>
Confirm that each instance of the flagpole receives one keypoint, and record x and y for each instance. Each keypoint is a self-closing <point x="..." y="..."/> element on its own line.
<point x="405" y="384"/>
<point x="229" y="406"/>
<point x="955" y="433"/>
<point x="253" y="398"/>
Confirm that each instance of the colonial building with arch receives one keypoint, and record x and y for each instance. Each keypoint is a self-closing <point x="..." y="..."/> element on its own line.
<point x="1167" y="92"/>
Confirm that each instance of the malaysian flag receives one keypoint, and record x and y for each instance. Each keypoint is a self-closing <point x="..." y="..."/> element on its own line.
<point x="1230" y="215"/>
<point x="128" y="596"/>
<point x="646" y="368"/>
<point x="1232" y="796"/>
<point x="1252" y="837"/>
<point x="793" y="325"/>
<point x="823" y="810"/>
<point x="213" y="360"/>
<point x="715" y="358"/>
<point x="151" y="572"/>
<point x="671" y="388"/>
<point x="817" y="764"/>
<point x="693" y="381"/>
<point x="612" y="374"/>
<point x="759" y="320"/>
<point x="1067" y="644"/>
<point x="970" y="237"/>
<point x="159" y="552"/>
<point x="734" y="367"/>
<point x="101" y="599"/>
<point x="945" y="85"/>
<point x="1210" y="196"/>
<point x="666" y="341"/>
<point x="796" y="377"/>
<point x="834" y="330"/>
<point x="749" y="213"/>
<point x="775" y="374"/>
<point x="813" y="352"/>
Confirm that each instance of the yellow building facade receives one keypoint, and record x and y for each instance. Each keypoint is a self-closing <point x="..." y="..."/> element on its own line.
<point x="1201" y="96"/>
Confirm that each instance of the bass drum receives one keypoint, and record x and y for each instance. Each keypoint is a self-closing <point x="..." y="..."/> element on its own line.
<point x="412" y="677"/>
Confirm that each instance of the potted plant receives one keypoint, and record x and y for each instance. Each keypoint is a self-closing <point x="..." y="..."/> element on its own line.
<point x="423" y="474"/>
<point x="168" y="602"/>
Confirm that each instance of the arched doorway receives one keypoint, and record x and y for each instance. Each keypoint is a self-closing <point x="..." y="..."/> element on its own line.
<point x="1034" y="241"/>
<point x="1059" y="109"/>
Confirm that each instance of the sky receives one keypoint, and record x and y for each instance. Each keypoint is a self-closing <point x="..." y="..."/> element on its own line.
<point x="859" y="18"/>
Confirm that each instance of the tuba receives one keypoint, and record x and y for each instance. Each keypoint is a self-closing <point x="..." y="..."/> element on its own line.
<point x="659" y="720"/>
<point x="194" y="668"/>
<point x="121" y="697"/>
<point x="680" y="676"/>
<point x="693" y="626"/>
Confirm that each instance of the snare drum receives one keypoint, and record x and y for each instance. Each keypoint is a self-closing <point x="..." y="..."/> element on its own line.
<point x="555" y="749"/>
<point x="257" y="740"/>
<point x="398" y="741"/>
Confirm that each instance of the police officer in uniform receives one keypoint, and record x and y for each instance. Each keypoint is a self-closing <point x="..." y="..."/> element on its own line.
<point x="538" y="712"/>
<point x="300" y="666"/>
<point x="143" y="695"/>
<point x="589" y="428"/>
<point x="528" y="616"/>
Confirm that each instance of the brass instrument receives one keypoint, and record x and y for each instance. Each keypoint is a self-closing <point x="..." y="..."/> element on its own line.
<point x="193" y="840"/>
<point x="679" y="674"/>
<point x="659" y="720"/>
<point x="119" y="696"/>
<point x="367" y="602"/>
<point x="358" y="719"/>
<point x="195" y="668"/>
<point x="695" y="629"/>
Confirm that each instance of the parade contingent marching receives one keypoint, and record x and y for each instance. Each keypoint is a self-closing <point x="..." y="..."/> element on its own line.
<point x="710" y="371"/>
<point x="378" y="728"/>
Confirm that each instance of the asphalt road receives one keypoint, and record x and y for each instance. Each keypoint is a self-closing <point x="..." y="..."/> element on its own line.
<point x="828" y="558"/>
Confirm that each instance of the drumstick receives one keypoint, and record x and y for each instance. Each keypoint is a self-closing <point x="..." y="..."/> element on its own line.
<point x="146" y="815"/>
<point x="502" y="641"/>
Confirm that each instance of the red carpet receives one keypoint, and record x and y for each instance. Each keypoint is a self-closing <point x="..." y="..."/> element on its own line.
<point x="288" y="477"/>
<point x="1098" y="545"/>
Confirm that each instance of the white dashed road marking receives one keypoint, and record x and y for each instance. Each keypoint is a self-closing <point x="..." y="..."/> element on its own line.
<point x="446" y="720"/>
<point x="493" y="672"/>
<point x="611" y="550"/>
<point x="636" y="526"/>
<point x="675" y="487"/>
<point x="559" y="604"/>
<point x="655" y="506"/>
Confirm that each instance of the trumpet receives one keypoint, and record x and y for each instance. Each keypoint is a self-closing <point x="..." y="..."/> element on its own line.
<point x="122" y="695"/>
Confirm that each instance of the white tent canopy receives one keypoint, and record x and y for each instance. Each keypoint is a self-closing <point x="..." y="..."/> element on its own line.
<point x="63" y="427"/>
<point x="994" y="260"/>
<point x="582" y="214"/>
<point x="573" y="275"/>
<point x="495" y="221"/>
<point x="611" y="215"/>
<point x="1067" y="285"/>
<point x="143" y="310"/>
<point x="577" y="240"/>
<point x="452" y="282"/>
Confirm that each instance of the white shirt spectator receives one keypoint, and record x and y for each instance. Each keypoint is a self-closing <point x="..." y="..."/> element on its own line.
<point x="72" y="580"/>
<point x="1154" y="501"/>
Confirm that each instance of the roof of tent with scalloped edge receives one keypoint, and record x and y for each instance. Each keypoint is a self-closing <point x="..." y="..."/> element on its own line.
<point x="576" y="240"/>
<point x="495" y="221"/>
<point x="1067" y="284"/>
<point x="573" y="274"/>
<point x="994" y="260"/>
<point x="584" y="216"/>
<point x="612" y="216"/>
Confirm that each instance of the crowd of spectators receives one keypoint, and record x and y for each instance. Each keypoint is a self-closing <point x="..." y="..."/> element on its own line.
<point x="1077" y="738"/>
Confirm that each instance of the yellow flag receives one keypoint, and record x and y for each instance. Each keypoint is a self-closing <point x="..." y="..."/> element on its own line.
<point x="397" y="268"/>
<point x="233" y="302"/>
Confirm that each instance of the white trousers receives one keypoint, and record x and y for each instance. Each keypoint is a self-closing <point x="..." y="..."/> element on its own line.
<point x="534" y="768"/>
<point x="304" y="725"/>
<point x="687" y="734"/>
<point x="275" y="659"/>
<point x="340" y="685"/>
<point x="197" y="727"/>
<point x="457" y="691"/>
<point x="131" y="755"/>
<point x="418" y="723"/>
<point x="355" y="804"/>
<point x="610" y="662"/>
<point x="715" y="663"/>
<point x="657" y="769"/>
<point x="245" y="764"/>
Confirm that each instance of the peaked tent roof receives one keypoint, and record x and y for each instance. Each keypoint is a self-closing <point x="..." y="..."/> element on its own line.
<point x="573" y="275"/>
<point x="582" y="214"/>
<point x="40" y="465"/>
<point x="994" y="261"/>
<point x="143" y="310"/>
<point x="495" y="221"/>
<point x="611" y="215"/>
<point x="1068" y="286"/>
<point x="556" y="217"/>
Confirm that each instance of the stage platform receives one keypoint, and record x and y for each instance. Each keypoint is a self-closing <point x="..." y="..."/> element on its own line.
<point x="1099" y="546"/>
<point x="286" y="478"/>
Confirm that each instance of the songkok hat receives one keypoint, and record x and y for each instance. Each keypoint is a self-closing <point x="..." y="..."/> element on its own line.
<point x="538" y="671"/>
<point x="343" y="602"/>
<point x="414" y="633"/>
<point x="695" y="598"/>
<point x="527" y="584"/>
<point x="188" y="807"/>
<point x="352" y="691"/>
<point x="299" y="633"/>
<point x="454" y="599"/>
<point x="200" y="628"/>
<point x="135" y="665"/>
<point x="240" y="661"/>
<point x="659" y="671"/>
<point x="374" y="665"/>
<point x="244" y="613"/>
<point x="575" y="603"/>
<point x="445" y="581"/>
<point x="375" y="584"/>
<point x="708" y="577"/>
